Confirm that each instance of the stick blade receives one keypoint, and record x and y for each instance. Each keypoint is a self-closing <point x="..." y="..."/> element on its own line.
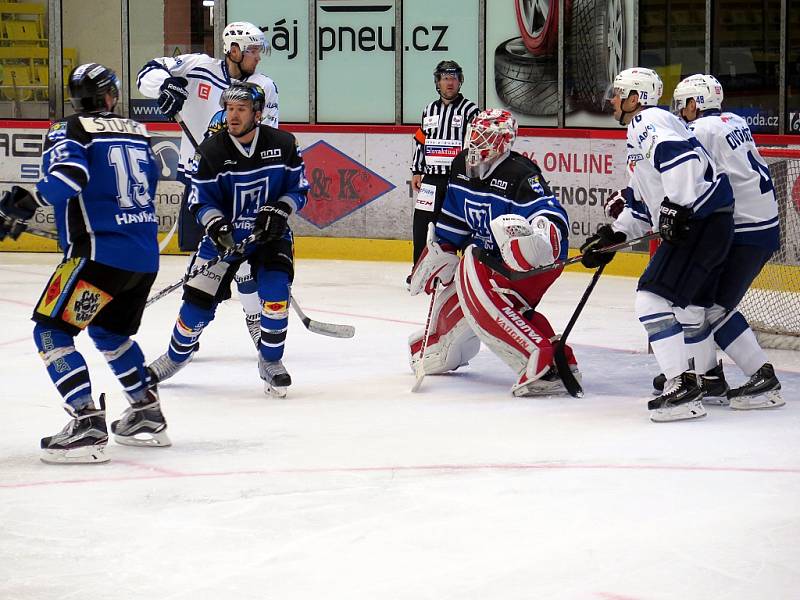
<point x="331" y="329"/>
<point x="573" y="386"/>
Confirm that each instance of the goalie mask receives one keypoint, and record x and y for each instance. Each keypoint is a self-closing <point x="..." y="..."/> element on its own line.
<point x="488" y="141"/>
<point x="88" y="86"/>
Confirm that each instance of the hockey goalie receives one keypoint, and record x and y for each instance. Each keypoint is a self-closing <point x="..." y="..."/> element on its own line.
<point x="496" y="200"/>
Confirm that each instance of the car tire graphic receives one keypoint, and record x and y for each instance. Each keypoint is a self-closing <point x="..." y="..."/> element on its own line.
<point x="538" y="24"/>
<point x="525" y="83"/>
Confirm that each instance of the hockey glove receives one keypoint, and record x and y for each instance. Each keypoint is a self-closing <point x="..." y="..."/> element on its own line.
<point x="526" y="245"/>
<point x="674" y="221"/>
<point x="173" y="95"/>
<point x="592" y="249"/>
<point x="16" y="208"/>
<point x="436" y="264"/>
<point x="272" y="221"/>
<point x="614" y="204"/>
<point x="220" y="230"/>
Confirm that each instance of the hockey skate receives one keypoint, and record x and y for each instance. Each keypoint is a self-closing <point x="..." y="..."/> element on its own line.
<point x="142" y="424"/>
<point x="681" y="400"/>
<point x="82" y="441"/>
<point x="762" y="390"/>
<point x="254" y="327"/>
<point x="164" y="367"/>
<point x="549" y="384"/>
<point x="276" y="378"/>
<point x="715" y="388"/>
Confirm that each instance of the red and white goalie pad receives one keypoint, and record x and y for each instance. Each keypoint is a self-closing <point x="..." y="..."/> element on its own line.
<point x="451" y="341"/>
<point x="436" y="263"/>
<point x="526" y="245"/>
<point x="494" y="311"/>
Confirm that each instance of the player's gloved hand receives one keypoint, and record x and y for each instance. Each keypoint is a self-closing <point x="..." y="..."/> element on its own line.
<point x="16" y="208"/>
<point x="173" y="95"/>
<point x="593" y="256"/>
<point x="272" y="221"/>
<point x="614" y="204"/>
<point x="220" y="230"/>
<point x="437" y="263"/>
<point x="673" y="221"/>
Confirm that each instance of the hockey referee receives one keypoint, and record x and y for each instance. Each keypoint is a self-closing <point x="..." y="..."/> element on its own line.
<point x="436" y="143"/>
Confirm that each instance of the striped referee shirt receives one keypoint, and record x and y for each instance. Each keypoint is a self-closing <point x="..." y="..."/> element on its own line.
<point x="441" y="135"/>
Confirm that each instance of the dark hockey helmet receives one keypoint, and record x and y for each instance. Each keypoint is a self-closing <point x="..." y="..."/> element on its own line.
<point x="244" y="90"/>
<point x="88" y="85"/>
<point x="448" y="67"/>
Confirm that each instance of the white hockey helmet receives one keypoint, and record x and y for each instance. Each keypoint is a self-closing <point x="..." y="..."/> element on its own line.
<point x="488" y="139"/>
<point x="245" y="35"/>
<point x="713" y="97"/>
<point x="644" y="82"/>
<point x="692" y="87"/>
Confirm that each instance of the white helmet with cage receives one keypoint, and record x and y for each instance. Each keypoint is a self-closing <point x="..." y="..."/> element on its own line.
<point x="713" y="96"/>
<point x="245" y="35"/>
<point x="488" y="141"/>
<point x="692" y="87"/>
<point x="644" y="82"/>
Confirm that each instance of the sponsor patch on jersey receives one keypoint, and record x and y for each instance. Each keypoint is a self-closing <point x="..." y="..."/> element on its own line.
<point x="430" y="122"/>
<point x="535" y="184"/>
<point x="275" y="309"/>
<point x="203" y="91"/>
<point x="84" y="304"/>
<point x="425" y="198"/>
<point x="48" y="305"/>
<point x="500" y="184"/>
<point x="441" y="152"/>
<point x="57" y="131"/>
<point x="271" y="153"/>
<point x="458" y="121"/>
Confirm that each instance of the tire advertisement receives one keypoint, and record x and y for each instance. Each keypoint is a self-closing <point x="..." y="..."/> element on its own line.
<point x="522" y="58"/>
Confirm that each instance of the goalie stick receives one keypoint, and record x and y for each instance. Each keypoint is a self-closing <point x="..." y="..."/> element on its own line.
<point x="559" y="356"/>
<point x="496" y="264"/>
<point x="419" y="371"/>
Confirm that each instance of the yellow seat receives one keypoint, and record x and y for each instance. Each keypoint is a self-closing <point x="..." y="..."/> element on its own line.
<point x="70" y="57"/>
<point x="22" y="31"/>
<point x="17" y="82"/>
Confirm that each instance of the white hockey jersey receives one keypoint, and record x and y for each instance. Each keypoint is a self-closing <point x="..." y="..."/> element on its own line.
<point x="208" y="77"/>
<point x="665" y="160"/>
<point x="728" y="139"/>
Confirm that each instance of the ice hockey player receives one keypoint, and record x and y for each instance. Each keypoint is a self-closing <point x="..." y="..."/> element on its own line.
<point x="496" y="200"/>
<point x="439" y="138"/>
<point x="727" y="137"/>
<point x="100" y="178"/>
<point x="192" y="84"/>
<point x="674" y="189"/>
<point x="249" y="178"/>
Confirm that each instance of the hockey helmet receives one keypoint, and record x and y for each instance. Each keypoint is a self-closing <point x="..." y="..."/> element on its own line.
<point x="488" y="139"/>
<point x="448" y="67"/>
<point x="88" y="85"/>
<point x="693" y="87"/>
<point x="244" y="91"/>
<point x="645" y="82"/>
<point x="714" y="96"/>
<point x="245" y="35"/>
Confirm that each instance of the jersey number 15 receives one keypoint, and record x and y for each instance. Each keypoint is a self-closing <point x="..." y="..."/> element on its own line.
<point x="133" y="189"/>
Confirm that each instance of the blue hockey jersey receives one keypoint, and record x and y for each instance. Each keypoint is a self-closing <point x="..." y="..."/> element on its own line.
<point x="233" y="181"/>
<point x="516" y="186"/>
<point x="100" y="176"/>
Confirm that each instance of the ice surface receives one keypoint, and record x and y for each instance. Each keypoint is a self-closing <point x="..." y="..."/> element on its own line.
<point x="354" y="488"/>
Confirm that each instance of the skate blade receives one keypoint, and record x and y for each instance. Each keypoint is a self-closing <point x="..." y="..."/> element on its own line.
<point x="682" y="412"/>
<point x="716" y="400"/>
<point x="771" y="399"/>
<point x="275" y="391"/>
<point x="87" y="455"/>
<point x="153" y="440"/>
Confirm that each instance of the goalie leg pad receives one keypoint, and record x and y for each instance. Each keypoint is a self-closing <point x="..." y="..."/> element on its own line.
<point x="451" y="341"/>
<point x="498" y="321"/>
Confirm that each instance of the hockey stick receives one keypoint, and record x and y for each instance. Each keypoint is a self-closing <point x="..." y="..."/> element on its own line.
<point x="329" y="329"/>
<point x="237" y="249"/>
<point x="419" y="371"/>
<point x="45" y="233"/>
<point x="497" y="265"/>
<point x="559" y="356"/>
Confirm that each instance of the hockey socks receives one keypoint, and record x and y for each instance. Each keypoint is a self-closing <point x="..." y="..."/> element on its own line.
<point x="125" y="358"/>
<point x="65" y="366"/>
<point x="274" y="289"/>
<point x="734" y="336"/>
<point x="190" y="324"/>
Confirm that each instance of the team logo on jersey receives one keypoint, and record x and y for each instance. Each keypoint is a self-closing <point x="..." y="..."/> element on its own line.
<point x="57" y="131"/>
<point x="535" y="184"/>
<point x="500" y="184"/>
<point x="203" y="91"/>
<point x="84" y="304"/>
<point x="478" y="216"/>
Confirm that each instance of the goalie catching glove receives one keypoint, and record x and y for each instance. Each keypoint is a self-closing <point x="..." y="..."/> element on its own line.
<point x="17" y="207"/>
<point x="523" y="245"/>
<point x="592" y="249"/>
<point x="437" y="263"/>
